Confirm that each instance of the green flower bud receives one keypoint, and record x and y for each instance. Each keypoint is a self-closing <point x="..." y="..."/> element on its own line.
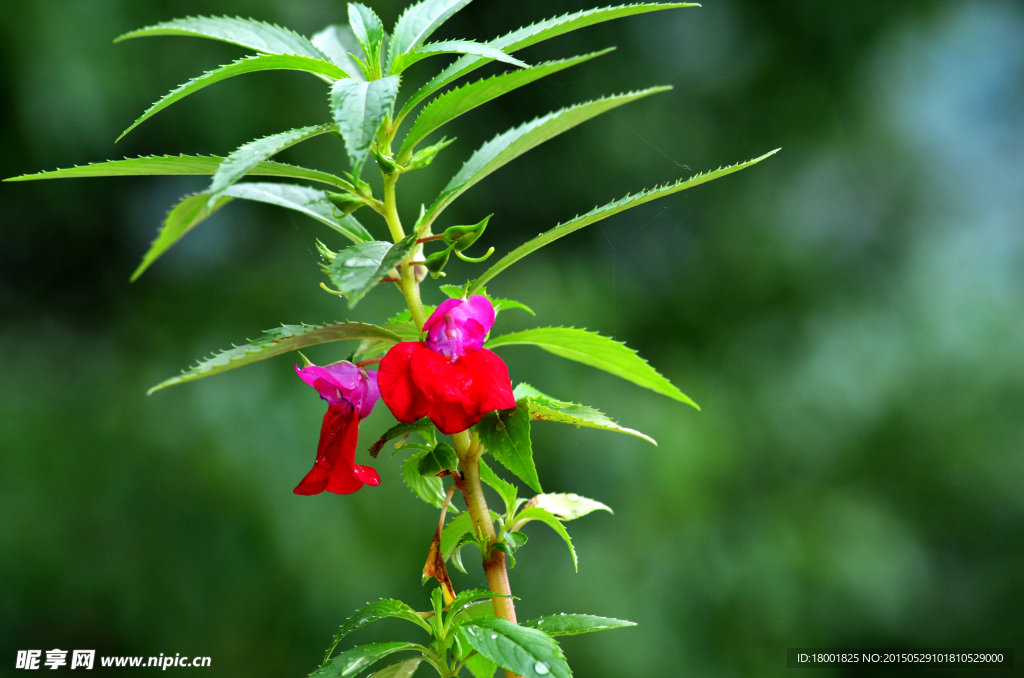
<point x="427" y="155"/>
<point x="345" y="202"/>
<point x="437" y="261"/>
<point x="462" y="237"/>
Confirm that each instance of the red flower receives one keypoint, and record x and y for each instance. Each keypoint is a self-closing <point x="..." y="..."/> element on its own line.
<point x="449" y="377"/>
<point x="351" y="394"/>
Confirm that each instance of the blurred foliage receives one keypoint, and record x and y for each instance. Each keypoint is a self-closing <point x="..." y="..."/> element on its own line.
<point x="848" y="314"/>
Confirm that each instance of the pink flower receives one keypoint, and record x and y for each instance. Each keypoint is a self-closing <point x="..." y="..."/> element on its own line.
<point x="350" y="393"/>
<point x="449" y="377"/>
<point x="458" y="326"/>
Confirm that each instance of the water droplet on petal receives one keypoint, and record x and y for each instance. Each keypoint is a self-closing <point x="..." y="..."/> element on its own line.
<point x="541" y="668"/>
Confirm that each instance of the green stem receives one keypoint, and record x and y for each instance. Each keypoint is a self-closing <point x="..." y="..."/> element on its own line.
<point x="410" y="288"/>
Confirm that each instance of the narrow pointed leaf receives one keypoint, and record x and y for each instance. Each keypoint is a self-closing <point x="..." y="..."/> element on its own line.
<point x="168" y="165"/>
<point x="194" y="209"/>
<point x="527" y="652"/>
<point x="531" y="35"/>
<point x="452" y="534"/>
<point x="339" y="43"/>
<point x="249" y="155"/>
<point x="452" y="47"/>
<point x="599" y="213"/>
<point x="506" y="490"/>
<point x="376" y="611"/>
<point x="358" y="269"/>
<point x="418" y="22"/>
<point x="403" y="669"/>
<point x="532" y="513"/>
<point x="352" y="662"/>
<point x="575" y="624"/>
<point x="506" y="435"/>
<point x="592" y="349"/>
<point x="359" y="108"/>
<point x="545" y="408"/>
<point x="264" y="62"/>
<point x="399" y="430"/>
<point x="430" y="490"/>
<point x="367" y="28"/>
<point x="257" y="35"/>
<point x="510" y="145"/>
<point x="567" y="505"/>
<point x="274" y="342"/>
<point x="466" y="599"/>
<point x="454" y="103"/>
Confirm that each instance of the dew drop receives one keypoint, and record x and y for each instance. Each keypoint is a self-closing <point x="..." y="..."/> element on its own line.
<point x="494" y="636"/>
<point x="541" y="668"/>
<point x="562" y="613"/>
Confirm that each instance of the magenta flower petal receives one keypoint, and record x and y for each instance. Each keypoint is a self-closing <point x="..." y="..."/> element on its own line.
<point x="343" y="384"/>
<point x="458" y="326"/>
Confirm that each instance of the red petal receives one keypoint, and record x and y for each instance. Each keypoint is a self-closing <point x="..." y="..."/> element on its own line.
<point x="414" y="381"/>
<point x="335" y="469"/>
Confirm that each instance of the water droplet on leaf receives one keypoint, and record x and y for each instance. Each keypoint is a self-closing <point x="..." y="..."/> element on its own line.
<point x="541" y="668"/>
<point x="494" y="636"/>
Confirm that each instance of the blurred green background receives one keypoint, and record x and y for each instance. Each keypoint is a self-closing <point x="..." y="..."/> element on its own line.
<point x="849" y="314"/>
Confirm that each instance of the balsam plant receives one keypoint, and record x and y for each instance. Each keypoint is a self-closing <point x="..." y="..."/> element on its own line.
<point x="436" y="371"/>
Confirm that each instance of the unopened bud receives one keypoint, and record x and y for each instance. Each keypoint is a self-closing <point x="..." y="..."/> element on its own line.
<point x="462" y="237"/>
<point x="437" y="261"/>
<point x="345" y="202"/>
<point x="427" y="155"/>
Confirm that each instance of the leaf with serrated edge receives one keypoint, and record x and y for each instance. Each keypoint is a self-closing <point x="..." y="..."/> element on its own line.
<point x="403" y="669"/>
<point x="510" y="145"/>
<point x="384" y="608"/>
<point x="592" y="349"/>
<point x="352" y="662"/>
<point x="257" y="35"/>
<point x="367" y="28"/>
<point x="452" y="47"/>
<point x="531" y="35"/>
<point x="275" y="342"/>
<point x="454" y="103"/>
<point x="465" y="599"/>
<point x="481" y="667"/>
<point x="567" y="505"/>
<point x="508" y="492"/>
<point x="193" y="210"/>
<point x="545" y="408"/>
<point x="516" y="648"/>
<point x="265" y="62"/>
<point x="359" y="108"/>
<point x="453" y="531"/>
<point x="247" y="156"/>
<point x="173" y="165"/>
<point x="430" y="490"/>
<point x="358" y="269"/>
<point x="599" y="213"/>
<point x="338" y="43"/>
<point x="575" y="624"/>
<point x="506" y="435"/>
<point x="418" y="22"/>
<point x="399" y="430"/>
<point x="531" y="513"/>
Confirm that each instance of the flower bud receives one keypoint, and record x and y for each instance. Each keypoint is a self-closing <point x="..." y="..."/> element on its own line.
<point x="345" y="202"/>
<point x="462" y="237"/>
<point x="427" y="155"/>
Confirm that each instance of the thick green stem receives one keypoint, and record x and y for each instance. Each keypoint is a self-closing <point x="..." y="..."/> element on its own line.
<point x="407" y="283"/>
<point x="476" y="504"/>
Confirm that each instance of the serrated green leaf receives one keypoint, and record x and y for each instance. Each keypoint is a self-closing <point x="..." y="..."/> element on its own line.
<point x="454" y="103"/>
<point x="452" y="534"/>
<point x="481" y="667"/>
<point x="358" y="269"/>
<point x="531" y="513"/>
<point x="545" y="408"/>
<point x="441" y="458"/>
<point x="506" y="435"/>
<point x="275" y="342"/>
<point x="592" y="349"/>
<point x="508" y="492"/>
<point x="264" y="62"/>
<point x="464" y="601"/>
<point x="599" y="213"/>
<point x="403" y="669"/>
<point x="385" y="608"/>
<point x="359" y="108"/>
<point x="568" y="506"/>
<point x="452" y="291"/>
<point x="418" y="22"/>
<point x="407" y="330"/>
<point x="430" y="49"/>
<point x="368" y="30"/>
<point x="430" y="490"/>
<point x="352" y="662"/>
<point x="399" y="430"/>
<point x="508" y="146"/>
<point x="249" y="155"/>
<point x="339" y="43"/>
<point x="575" y="624"/>
<point x="173" y="165"/>
<point x="508" y="304"/>
<point x="257" y="35"/>
<point x="531" y="35"/>
<point x="520" y="649"/>
<point x="192" y="211"/>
